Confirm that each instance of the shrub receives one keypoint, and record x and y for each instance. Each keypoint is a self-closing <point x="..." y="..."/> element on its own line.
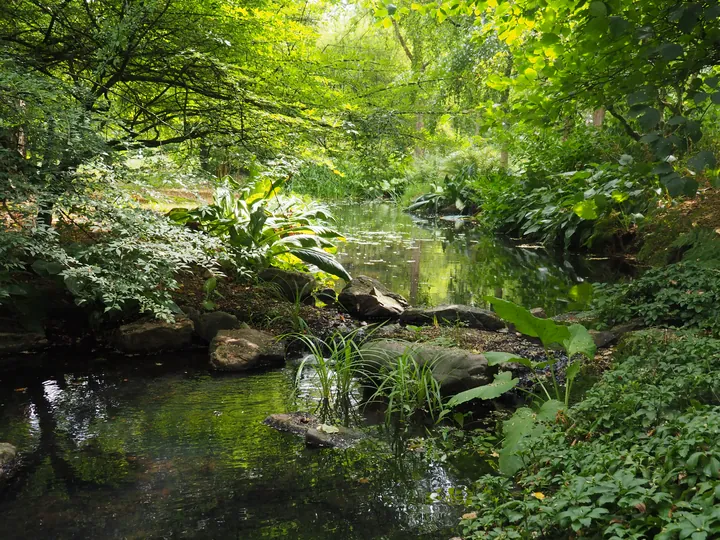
<point x="681" y="294"/>
<point x="638" y="458"/>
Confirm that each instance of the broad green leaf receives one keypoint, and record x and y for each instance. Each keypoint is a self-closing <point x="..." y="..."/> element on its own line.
<point x="572" y="371"/>
<point x="547" y="330"/>
<point x="702" y="160"/>
<point x="650" y="118"/>
<point x="47" y="268"/>
<point x="586" y="209"/>
<point x="598" y="9"/>
<point x="496" y="358"/>
<point x="549" y="410"/>
<point x="670" y="51"/>
<point x="210" y="284"/>
<point x="322" y="260"/>
<point x="503" y="383"/>
<point x="580" y="341"/>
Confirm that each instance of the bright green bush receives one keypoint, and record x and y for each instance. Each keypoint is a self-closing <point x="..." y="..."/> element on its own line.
<point x="589" y="208"/>
<point x="637" y="458"/>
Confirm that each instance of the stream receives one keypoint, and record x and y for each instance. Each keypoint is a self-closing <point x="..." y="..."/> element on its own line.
<point x="161" y="447"/>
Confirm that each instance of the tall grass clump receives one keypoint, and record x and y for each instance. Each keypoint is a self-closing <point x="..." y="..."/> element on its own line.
<point x="410" y="391"/>
<point x="333" y="365"/>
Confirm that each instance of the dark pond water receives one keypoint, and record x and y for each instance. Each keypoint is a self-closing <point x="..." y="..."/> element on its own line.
<point x="161" y="448"/>
<point x="445" y="262"/>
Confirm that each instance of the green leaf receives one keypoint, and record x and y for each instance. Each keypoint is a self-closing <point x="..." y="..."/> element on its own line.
<point x="324" y="261"/>
<point x="503" y="383"/>
<point x="47" y="268"/>
<point x="547" y="330"/>
<point x="586" y="209"/>
<point x="210" y="284"/>
<point x="496" y="358"/>
<point x="598" y="9"/>
<point x="702" y="160"/>
<point x="670" y="51"/>
<point x="549" y="410"/>
<point x="571" y="372"/>
<point x="649" y="118"/>
<point x="580" y="341"/>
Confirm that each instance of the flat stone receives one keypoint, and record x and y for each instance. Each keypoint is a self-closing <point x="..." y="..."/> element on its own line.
<point x="327" y="296"/>
<point x="603" y="338"/>
<point x="316" y="434"/>
<point x="538" y="312"/>
<point x="455" y="369"/>
<point x="367" y="298"/>
<point x="207" y="325"/>
<point x="245" y="349"/>
<point x="470" y="316"/>
<point x="16" y="342"/>
<point x="318" y="437"/>
<point x="292" y="285"/>
<point x="153" y="336"/>
<point x="7" y="455"/>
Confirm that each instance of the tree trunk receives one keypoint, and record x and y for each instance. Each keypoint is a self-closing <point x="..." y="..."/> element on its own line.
<point x="598" y="117"/>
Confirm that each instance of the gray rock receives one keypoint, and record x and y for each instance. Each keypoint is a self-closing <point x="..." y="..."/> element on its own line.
<point x="327" y="295"/>
<point x="455" y="369"/>
<point x="153" y="336"/>
<point x="538" y="312"/>
<point x="367" y="298"/>
<point x="207" y="325"/>
<point x="471" y="316"/>
<point x="7" y="455"/>
<point x="319" y="437"/>
<point x="315" y="433"/>
<point x="603" y="338"/>
<point x="245" y="349"/>
<point x="15" y="342"/>
<point x="292" y="285"/>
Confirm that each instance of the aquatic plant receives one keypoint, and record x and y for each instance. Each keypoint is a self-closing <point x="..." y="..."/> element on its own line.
<point x="408" y="388"/>
<point x="336" y="362"/>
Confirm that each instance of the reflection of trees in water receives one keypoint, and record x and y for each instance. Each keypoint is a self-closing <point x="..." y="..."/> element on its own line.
<point x="165" y="455"/>
<point x="440" y="262"/>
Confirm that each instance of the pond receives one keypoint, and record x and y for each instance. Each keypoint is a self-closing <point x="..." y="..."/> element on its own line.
<point x="450" y="262"/>
<point x="159" y="447"/>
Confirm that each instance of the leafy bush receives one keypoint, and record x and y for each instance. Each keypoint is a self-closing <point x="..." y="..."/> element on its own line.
<point x="526" y="423"/>
<point x="585" y="208"/>
<point x="637" y="458"/>
<point x="681" y="294"/>
<point x="123" y="259"/>
<point x="265" y="227"/>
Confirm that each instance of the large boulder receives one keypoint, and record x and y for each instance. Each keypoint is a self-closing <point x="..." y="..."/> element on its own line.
<point x="150" y="336"/>
<point x="207" y="325"/>
<point x="367" y="298"/>
<point x="7" y="455"/>
<point x="15" y="342"/>
<point x="455" y="369"/>
<point x="293" y="286"/>
<point x="245" y="349"/>
<point x="316" y="434"/>
<point x="470" y="316"/>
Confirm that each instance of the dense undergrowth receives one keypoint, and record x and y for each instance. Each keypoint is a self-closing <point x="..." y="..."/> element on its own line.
<point x="636" y="458"/>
